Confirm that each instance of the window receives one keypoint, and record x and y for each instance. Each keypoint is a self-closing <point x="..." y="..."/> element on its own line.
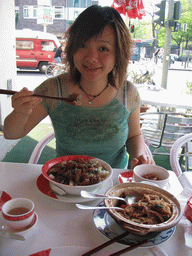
<point x="24" y="45"/>
<point x="59" y="12"/>
<point x="47" y="46"/>
<point x="76" y="3"/>
<point x="29" y="12"/>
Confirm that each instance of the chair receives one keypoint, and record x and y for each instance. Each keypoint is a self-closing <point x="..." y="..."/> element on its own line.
<point x="162" y="129"/>
<point x="40" y="146"/>
<point x="182" y="147"/>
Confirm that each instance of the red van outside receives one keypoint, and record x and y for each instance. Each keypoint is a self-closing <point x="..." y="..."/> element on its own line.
<point x="35" y="49"/>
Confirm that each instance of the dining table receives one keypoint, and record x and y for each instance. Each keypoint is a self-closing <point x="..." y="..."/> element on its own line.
<point x="60" y="224"/>
<point x="160" y="97"/>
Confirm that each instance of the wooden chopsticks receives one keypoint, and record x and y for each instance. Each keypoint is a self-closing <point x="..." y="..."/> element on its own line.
<point x="9" y="92"/>
<point x="116" y="239"/>
<point x="100" y="247"/>
<point x="130" y="248"/>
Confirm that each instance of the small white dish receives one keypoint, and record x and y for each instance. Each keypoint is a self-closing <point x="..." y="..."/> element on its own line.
<point x="25" y="231"/>
<point x="162" y="175"/>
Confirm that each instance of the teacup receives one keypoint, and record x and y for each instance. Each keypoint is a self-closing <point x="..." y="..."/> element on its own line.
<point x="18" y="213"/>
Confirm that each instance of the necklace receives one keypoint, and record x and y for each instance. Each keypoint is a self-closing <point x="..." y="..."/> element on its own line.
<point x="89" y="96"/>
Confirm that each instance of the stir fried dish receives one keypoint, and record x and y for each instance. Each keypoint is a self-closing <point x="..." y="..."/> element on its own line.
<point x="151" y="176"/>
<point x="150" y="209"/>
<point x="78" y="172"/>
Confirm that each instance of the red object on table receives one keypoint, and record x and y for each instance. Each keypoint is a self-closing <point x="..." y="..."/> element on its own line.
<point x="188" y="209"/>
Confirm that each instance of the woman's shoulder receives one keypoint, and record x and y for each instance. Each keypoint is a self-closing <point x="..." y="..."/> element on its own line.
<point x="50" y="86"/>
<point x="132" y="96"/>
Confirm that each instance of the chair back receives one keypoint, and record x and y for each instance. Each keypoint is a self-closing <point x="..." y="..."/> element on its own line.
<point x="183" y="144"/>
<point x="162" y="129"/>
<point x="39" y="148"/>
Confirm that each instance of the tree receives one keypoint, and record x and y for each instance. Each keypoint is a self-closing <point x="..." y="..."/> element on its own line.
<point x="181" y="36"/>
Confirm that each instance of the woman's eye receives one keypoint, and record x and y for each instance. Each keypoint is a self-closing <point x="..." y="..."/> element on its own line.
<point x="82" y="46"/>
<point x="103" y="49"/>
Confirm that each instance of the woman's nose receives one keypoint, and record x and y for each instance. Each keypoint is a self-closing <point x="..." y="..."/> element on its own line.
<point x="92" y="55"/>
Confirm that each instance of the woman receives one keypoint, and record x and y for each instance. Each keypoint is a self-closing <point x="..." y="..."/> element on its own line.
<point x="98" y="50"/>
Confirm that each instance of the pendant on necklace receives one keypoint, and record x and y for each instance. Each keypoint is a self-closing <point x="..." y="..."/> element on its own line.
<point x="90" y="102"/>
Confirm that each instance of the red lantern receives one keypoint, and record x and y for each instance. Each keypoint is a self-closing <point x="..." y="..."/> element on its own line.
<point x="133" y="8"/>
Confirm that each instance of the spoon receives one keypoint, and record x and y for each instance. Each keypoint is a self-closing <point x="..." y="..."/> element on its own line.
<point x="87" y="194"/>
<point x="86" y="207"/>
<point x="129" y="199"/>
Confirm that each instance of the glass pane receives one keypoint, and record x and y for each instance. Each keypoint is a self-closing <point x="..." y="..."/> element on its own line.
<point x="47" y="46"/>
<point x="24" y="45"/>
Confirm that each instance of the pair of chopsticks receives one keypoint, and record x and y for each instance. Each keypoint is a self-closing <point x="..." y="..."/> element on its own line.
<point x="9" y="92"/>
<point x="116" y="239"/>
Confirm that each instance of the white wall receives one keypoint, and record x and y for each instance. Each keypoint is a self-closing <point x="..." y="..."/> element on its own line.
<point x="7" y="54"/>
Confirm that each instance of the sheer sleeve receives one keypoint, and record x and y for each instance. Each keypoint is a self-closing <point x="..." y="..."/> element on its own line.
<point x="48" y="87"/>
<point x="132" y="97"/>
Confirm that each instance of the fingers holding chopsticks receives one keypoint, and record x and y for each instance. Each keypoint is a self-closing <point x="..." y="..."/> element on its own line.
<point x="23" y="102"/>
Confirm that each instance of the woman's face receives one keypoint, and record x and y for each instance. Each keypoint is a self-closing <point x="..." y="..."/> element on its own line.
<point x="95" y="59"/>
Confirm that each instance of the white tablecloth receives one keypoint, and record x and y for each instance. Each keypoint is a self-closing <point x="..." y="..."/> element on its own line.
<point x="62" y="224"/>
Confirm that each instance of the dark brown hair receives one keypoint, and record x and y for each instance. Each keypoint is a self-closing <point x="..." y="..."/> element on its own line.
<point x="90" y="23"/>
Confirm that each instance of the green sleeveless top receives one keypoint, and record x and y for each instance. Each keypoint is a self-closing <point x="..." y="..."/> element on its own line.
<point x="98" y="132"/>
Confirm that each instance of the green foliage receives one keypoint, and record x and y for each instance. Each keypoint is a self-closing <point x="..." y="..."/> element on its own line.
<point x="181" y="36"/>
<point x="141" y="29"/>
<point x="188" y="89"/>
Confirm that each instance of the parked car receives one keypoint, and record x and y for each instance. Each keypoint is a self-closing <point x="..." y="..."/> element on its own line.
<point x="35" y="49"/>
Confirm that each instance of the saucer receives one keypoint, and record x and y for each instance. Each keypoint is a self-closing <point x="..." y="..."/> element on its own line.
<point x="23" y="231"/>
<point x="44" y="187"/>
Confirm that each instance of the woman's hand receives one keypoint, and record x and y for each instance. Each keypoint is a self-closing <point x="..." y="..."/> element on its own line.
<point x="23" y="102"/>
<point x="142" y="159"/>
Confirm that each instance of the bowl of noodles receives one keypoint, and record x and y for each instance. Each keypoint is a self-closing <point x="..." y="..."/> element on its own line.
<point x="153" y="210"/>
<point x="73" y="173"/>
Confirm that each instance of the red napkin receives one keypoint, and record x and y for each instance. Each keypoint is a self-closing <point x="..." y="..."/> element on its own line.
<point x="42" y="253"/>
<point x="4" y="197"/>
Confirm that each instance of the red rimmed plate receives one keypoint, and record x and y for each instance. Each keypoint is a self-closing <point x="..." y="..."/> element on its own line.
<point x="4" y="197"/>
<point x="44" y="187"/>
<point x="125" y="177"/>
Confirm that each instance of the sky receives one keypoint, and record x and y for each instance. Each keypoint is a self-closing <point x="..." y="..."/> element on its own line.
<point x="105" y="2"/>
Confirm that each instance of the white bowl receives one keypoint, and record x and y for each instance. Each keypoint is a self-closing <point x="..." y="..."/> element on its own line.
<point x="138" y="190"/>
<point x="162" y="174"/>
<point x="71" y="189"/>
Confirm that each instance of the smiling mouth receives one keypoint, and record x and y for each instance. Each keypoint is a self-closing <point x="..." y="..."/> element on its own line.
<point x="90" y="68"/>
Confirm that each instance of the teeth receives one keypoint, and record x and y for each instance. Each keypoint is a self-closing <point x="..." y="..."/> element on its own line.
<point x="91" y="68"/>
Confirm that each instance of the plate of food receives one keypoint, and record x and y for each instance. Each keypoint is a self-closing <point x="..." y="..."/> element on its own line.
<point x="110" y="229"/>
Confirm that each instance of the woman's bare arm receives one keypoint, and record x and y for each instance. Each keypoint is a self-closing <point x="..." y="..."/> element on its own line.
<point x="27" y="113"/>
<point x="135" y="143"/>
